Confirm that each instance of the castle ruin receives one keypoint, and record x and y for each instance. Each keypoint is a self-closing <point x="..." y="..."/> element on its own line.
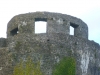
<point x="50" y="47"/>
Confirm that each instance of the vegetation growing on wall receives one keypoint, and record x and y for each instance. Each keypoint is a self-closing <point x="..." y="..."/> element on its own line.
<point x="27" y="68"/>
<point x="66" y="66"/>
<point x="17" y="45"/>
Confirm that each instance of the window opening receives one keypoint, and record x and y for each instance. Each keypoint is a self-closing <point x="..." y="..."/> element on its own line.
<point x="72" y="28"/>
<point x="14" y="32"/>
<point x="40" y="25"/>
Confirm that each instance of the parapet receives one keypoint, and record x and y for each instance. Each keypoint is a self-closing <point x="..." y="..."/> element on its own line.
<point x="56" y="23"/>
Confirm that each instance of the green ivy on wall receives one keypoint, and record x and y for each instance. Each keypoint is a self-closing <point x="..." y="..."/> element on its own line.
<point x="67" y="66"/>
<point x="27" y="68"/>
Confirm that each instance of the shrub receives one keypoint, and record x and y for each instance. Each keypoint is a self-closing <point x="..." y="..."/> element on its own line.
<point x="27" y="68"/>
<point x="65" y="67"/>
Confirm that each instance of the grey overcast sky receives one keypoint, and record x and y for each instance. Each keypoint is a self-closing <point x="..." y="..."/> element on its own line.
<point x="87" y="10"/>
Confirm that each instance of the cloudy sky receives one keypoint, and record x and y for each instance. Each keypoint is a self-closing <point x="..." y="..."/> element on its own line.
<point x="87" y="10"/>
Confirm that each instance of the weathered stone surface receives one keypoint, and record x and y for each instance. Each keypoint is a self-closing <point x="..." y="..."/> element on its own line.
<point x="2" y="42"/>
<point x="50" y="47"/>
<point x="5" y="62"/>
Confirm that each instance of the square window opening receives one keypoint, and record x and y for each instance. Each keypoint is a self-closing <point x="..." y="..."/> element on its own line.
<point x="40" y="27"/>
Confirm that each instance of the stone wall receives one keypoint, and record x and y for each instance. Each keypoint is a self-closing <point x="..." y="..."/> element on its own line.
<point x="2" y="42"/>
<point x="50" y="49"/>
<point x="5" y="62"/>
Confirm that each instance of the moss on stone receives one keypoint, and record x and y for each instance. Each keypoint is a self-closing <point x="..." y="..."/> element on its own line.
<point x="17" y="45"/>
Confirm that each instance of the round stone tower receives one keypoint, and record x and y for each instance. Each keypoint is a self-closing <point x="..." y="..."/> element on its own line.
<point x="50" y="47"/>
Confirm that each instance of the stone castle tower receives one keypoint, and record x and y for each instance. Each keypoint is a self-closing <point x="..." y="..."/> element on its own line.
<point x="50" y="47"/>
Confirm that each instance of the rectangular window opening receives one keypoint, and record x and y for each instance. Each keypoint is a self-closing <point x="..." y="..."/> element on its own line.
<point x="40" y="25"/>
<point x="71" y="30"/>
<point x="14" y="31"/>
<point x="72" y="27"/>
